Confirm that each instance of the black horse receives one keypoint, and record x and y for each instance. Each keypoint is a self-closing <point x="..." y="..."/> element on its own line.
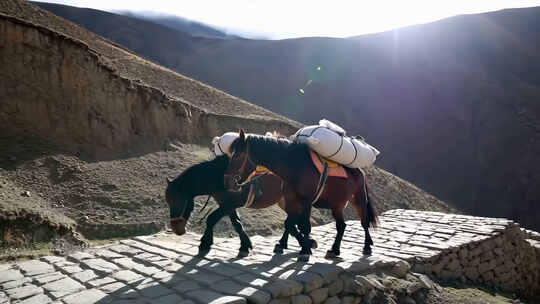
<point x="207" y="178"/>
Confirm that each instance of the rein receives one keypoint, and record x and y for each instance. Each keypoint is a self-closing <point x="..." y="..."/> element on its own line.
<point x="205" y="204"/>
<point x="244" y="162"/>
<point x="181" y="217"/>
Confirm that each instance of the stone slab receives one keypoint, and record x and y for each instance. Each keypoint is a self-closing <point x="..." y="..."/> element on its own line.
<point x="89" y="296"/>
<point x="164" y="268"/>
<point x="35" y="267"/>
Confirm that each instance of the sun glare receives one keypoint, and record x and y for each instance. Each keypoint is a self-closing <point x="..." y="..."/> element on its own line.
<point x="302" y="18"/>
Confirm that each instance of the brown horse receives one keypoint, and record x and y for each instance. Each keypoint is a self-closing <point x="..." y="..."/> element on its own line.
<point x="206" y="178"/>
<point x="292" y="162"/>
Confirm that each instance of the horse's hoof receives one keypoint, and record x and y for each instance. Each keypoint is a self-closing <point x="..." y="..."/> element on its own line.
<point x="366" y="251"/>
<point x="243" y="253"/>
<point x="314" y="244"/>
<point x="331" y="255"/>
<point x="203" y="251"/>
<point x="278" y="250"/>
<point x="306" y="250"/>
<point x="303" y="258"/>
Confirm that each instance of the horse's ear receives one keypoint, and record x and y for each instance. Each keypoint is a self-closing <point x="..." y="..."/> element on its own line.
<point x="242" y="135"/>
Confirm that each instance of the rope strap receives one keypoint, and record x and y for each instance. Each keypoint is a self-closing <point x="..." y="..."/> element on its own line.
<point x="249" y="182"/>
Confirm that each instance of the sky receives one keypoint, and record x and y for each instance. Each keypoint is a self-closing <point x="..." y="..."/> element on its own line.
<point x="280" y="19"/>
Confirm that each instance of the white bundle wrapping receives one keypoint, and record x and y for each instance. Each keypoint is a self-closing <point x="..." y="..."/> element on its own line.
<point x="329" y="141"/>
<point x="223" y="143"/>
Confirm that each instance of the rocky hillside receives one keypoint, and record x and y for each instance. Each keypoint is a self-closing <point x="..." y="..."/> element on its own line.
<point x="91" y="131"/>
<point x="452" y="104"/>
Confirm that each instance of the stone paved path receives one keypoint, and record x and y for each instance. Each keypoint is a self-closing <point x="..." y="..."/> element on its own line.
<point x="163" y="268"/>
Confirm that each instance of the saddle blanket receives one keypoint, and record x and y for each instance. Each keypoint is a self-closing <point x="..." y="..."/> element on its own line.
<point x="334" y="169"/>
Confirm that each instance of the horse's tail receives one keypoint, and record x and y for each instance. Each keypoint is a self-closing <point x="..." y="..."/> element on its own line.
<point x="372" y="217"/>
<point x="362" y="202"/>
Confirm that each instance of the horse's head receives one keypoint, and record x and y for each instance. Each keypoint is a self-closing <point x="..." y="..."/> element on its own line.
<point x="179" y="206"/>
<point x="240" y="165"/>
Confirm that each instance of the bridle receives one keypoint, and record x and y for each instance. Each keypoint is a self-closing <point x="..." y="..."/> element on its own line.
<point x="240" y="171"/>
<point x="181" y="217"/>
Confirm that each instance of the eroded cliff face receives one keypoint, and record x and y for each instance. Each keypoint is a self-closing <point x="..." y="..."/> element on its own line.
<point x="57" y="88"/>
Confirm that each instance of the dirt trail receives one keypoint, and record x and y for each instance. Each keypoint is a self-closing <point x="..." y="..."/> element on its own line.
<point x="124" y="197"/>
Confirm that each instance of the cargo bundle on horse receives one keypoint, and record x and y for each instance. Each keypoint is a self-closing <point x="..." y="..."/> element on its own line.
<point x="292" y="162"/>
<point x="330" y="141"/>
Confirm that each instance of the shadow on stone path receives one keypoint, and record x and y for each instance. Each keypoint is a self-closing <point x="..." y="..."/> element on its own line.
<point x="164" y="268"/>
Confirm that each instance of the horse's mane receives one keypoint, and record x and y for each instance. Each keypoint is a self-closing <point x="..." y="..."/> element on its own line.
<point x="272" y="147"/>
<point x="267" y="141"/>
<point x="218" y="164"/>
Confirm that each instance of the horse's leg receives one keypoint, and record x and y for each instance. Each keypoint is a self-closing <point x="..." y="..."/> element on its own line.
<point x="283" y="243"/>
<point x="245" y="242"/>
<point x="295" y="216"/>
<point x="208" y="237"/>
<point x="306" y="243"/>
<point x="340" y="228"/>
<point x="305" y="228"/>
<point x="290" y="227"/>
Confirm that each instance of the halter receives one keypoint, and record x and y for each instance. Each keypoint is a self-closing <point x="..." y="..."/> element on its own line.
<point x="242" y="167"/>
<point x="181" y="217"/>
<point x="175" y="219"/>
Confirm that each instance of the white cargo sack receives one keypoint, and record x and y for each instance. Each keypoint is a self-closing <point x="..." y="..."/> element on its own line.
<point x="330" y="141"/>
<point x="223" y="143"/>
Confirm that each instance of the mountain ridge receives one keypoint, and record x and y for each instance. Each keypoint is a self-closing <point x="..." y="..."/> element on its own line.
<point x="194" y="28"/>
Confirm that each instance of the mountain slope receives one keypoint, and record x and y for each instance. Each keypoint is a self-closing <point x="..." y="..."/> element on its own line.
<point x="194" y="28"/>
<point x="91" y="131"/>
<point x="451" y="104"/>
